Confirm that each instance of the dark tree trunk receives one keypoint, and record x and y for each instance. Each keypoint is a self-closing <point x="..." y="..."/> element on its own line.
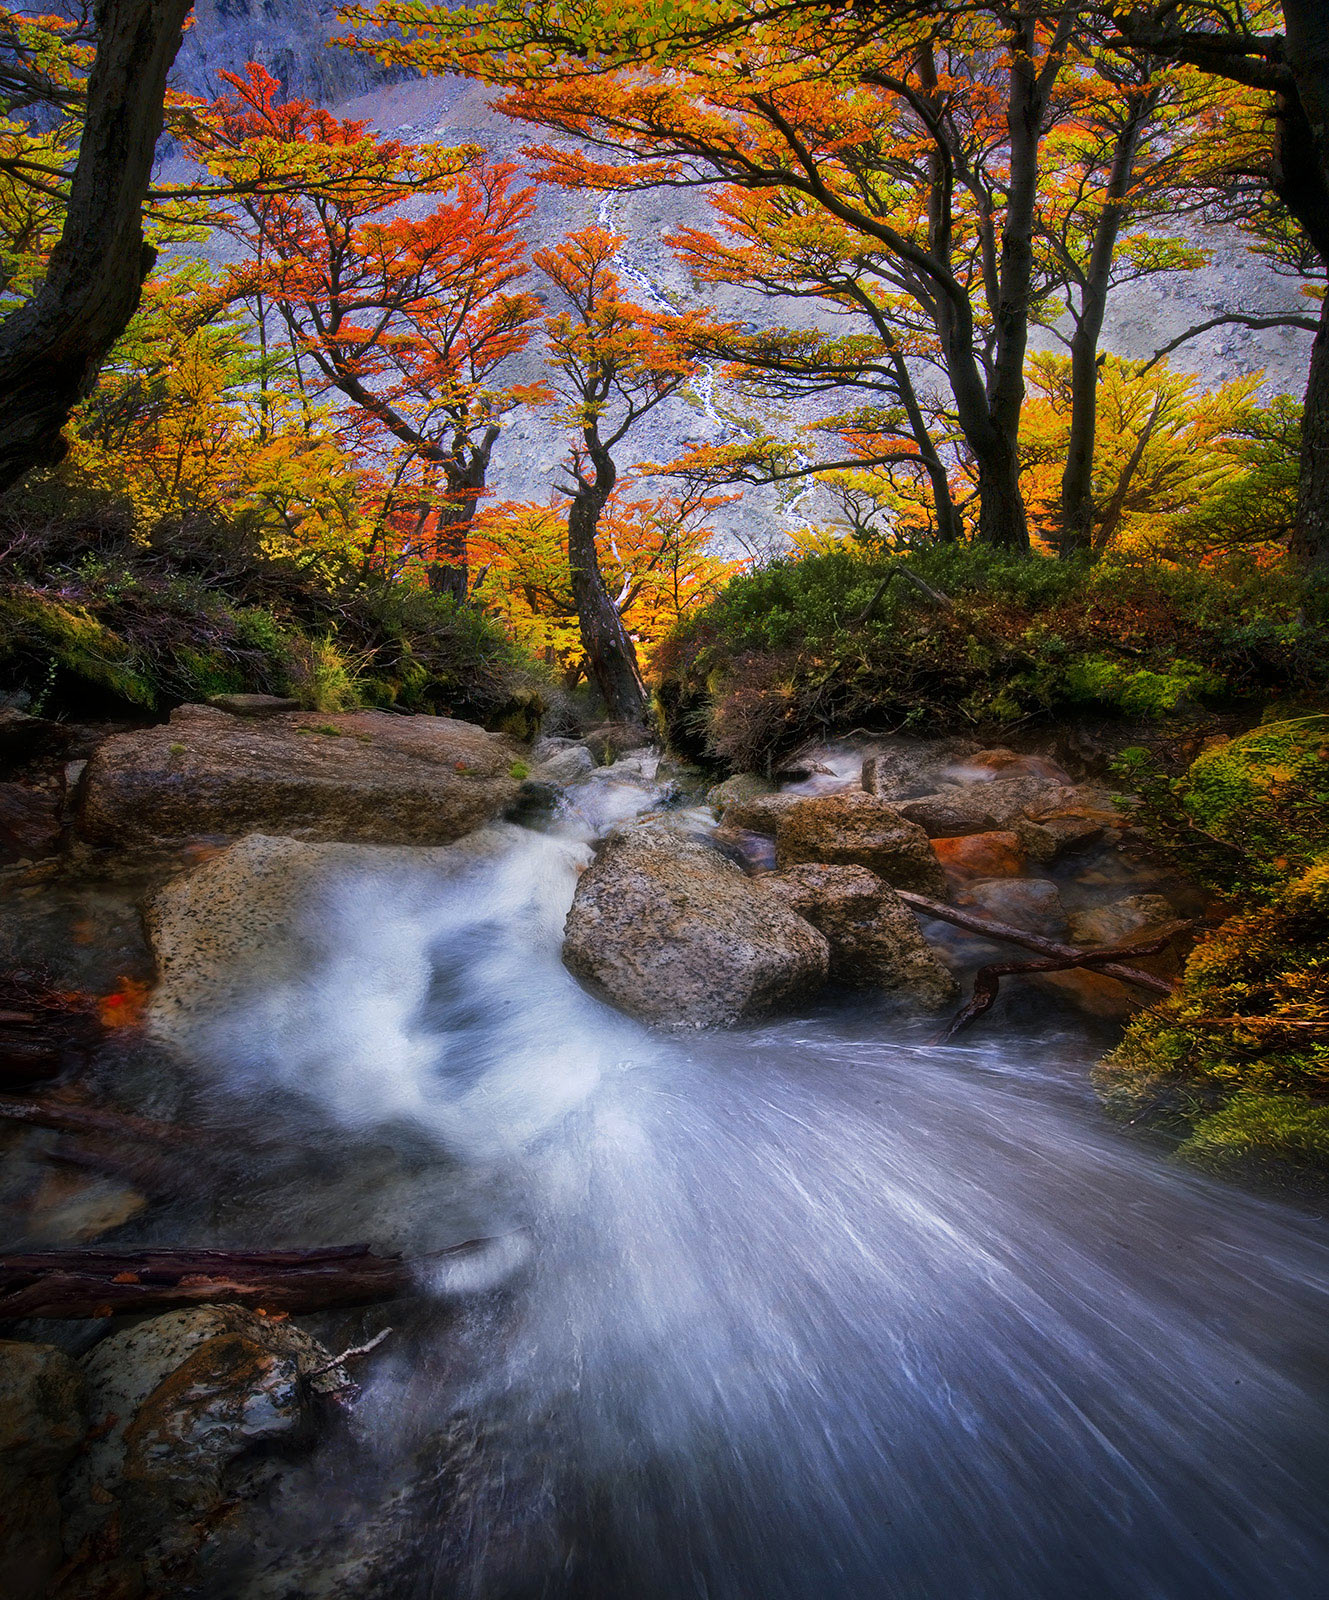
<point x="52" y="346"/>
<point x="465" y="471"/>
<point x="1003" y="521"/>
<point x="1303" y="183"/>
<point x="611" y="658"/>
<point x="1310" y="538"/>
<point x="1077" y="480"/>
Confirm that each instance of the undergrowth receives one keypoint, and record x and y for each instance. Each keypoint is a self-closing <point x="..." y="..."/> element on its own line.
<point x="810" y="646"/>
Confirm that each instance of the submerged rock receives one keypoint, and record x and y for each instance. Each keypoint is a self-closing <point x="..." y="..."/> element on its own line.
<point x="42" y="1424"/>
<point x="670" y="931"/>
<point x="874" y="937"/>
<point x="854" y="829"/>
<point x="1031" y="903"/>
<point x="361" y="775"/>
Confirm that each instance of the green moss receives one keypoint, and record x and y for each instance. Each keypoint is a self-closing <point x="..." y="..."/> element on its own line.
<point x="1255" y="1131"/>
<point x="1249" y="1024"/>
<point x="41" y="625"/>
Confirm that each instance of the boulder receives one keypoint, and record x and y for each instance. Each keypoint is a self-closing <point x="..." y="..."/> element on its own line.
<point x="254" y="705"/>
<point x="248" y="920"/>
<point x="361" y="775"/>
<point x="42" y="1424"/>
<point x="29" y="822"/>
<point x="909" y="767"/>
<point x="670" y="931"/>
<point x="986" y="765"/>
<point x="855" y="829"/>
<point x="1031" y="903"/>
<point x="738" y="790"/>
<point x="1046" y="842"/>
<point x="997" y="854"/>
<point x="874" y="938"/>
<point x="759" y="814"/>
<point x="181" y="1403"/>
<point x="614" y="739"/>
<point x="953" y="811"/>
<point x="564" y="766"/>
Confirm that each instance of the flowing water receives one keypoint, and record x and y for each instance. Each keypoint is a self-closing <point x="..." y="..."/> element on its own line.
<point x="803" y="1311"/>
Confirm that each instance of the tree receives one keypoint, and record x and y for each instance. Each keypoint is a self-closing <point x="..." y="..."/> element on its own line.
<point x="52" y="345"/>
<point x="1242" y="43"/>
<point x="411" y="320"/>
<point x="612" y="362"/>
<point x="918" y="128"/>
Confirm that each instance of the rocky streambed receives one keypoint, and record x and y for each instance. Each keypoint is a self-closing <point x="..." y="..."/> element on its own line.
<point x="715" y="1273"/>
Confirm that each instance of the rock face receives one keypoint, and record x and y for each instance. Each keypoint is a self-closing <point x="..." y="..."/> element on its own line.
<point x="670" y="931"/>
<point x="874" y="938"/>
<point x="181" y="1404"/>
<point x="861" y="830"/>
<point x="42" y="1423"/>
<point x="360" y="775"/>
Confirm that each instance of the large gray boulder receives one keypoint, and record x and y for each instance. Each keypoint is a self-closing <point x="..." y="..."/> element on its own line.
<point x="668" y="930"/>
<point x="362" y="775"/>
<point x="874" y="937"/>
<point x="859" y="830"/>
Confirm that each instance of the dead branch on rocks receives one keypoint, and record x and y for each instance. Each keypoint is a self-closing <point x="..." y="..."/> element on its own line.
<point x="95" y="1121"/>
<point x="43" y="1032"/>
<point x="987" y="981"/>
<point x="1107" y="960"/>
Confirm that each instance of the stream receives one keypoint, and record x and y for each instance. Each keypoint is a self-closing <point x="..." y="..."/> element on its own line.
<point x="806" y="1310"/>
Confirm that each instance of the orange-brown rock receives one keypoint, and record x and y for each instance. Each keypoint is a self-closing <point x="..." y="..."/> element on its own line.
<point x="981" y="855"/>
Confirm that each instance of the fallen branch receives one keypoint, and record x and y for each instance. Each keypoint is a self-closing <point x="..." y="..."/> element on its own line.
<point x="987" y="981"/>
<point x="1003" y="932"/>
<point x="353" y="1354"/>
<point x="899" y="570"/>
<point x="93" y="1120"/>
<point x="102" y="1283"/>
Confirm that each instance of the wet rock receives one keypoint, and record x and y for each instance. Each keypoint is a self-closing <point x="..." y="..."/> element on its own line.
<point x="180" y="1404"/>
<point x="1094" y="993"/>
<point x="854" y="829"/>
<point x="1133" y="919"/>
<point x="564" y="766"/>
<point x="253" y="705"/>
<point x="1031" y="903"/>
<point x="759" y="813"/>
<point x="670" y="931"/>
<point x="29" y="822"/>
<point x="996" y="854"/>
<point x="614" y="739"/>
<point x="742" y="787"/>
<point x="361" y="775"/>
<point x="249" y="918"/>
<point x="1046" y="842"/>
<point x="42" y="1424"/>
<point x="908" y="768"/>
<point x="873" y="936"/>
<point x="986" y="765"/>
<point x="953" y="811"/>
<point x="72" y="1207"/>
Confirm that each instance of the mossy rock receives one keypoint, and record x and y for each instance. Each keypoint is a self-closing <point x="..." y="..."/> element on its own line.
<point x="1267" y="795"/>
<point x="1238" y="1060"/>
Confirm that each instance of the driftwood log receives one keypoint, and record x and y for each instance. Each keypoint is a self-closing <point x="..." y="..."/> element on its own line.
<point x="93" y="1121"/>
<point x="43" y="1032"/>
<point x="987" y="981"/>
<point x="101" y="1283"/>
<point x="1107" y="961"/>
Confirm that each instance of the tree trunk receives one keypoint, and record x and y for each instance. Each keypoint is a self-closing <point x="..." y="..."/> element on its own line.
<point x="1310" y="538"/>
<point x="449" y="572"/>
<point x="53" y="345"/>
<point x="1077" y="480"/>
<point x="1003" y="522"/>
<point x="610" y="655"/>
